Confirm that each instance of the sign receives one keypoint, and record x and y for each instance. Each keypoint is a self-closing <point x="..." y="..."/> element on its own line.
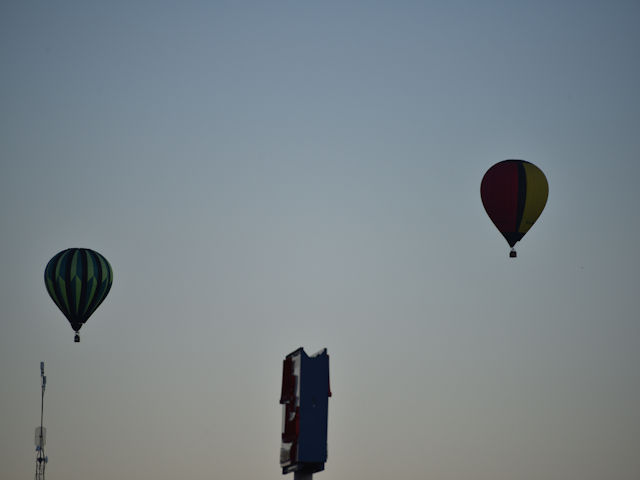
<point x="305" y="405"/>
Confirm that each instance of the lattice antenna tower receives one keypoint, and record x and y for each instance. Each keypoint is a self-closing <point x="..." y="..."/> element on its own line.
<point x="41" y="432"/>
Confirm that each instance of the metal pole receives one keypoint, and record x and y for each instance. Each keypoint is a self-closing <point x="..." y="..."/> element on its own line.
<point x="41" y="459"/>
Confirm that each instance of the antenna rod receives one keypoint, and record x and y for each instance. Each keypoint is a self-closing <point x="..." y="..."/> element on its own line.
<point x="44" y="385"/>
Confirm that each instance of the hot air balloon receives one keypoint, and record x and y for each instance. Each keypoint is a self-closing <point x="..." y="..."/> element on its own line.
<point x="514" y="193"/>
<point x="78" y="280"/>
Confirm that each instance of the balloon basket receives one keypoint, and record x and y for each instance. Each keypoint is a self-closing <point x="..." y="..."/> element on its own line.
<point x="76" y="339"/>
<point x="513" y="254"/>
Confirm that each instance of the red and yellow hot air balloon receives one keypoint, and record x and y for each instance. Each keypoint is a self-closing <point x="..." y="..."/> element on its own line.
<point x="514" y="193"/>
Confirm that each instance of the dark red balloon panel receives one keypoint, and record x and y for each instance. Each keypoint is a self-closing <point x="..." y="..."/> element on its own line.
<point x="499" y="192"/>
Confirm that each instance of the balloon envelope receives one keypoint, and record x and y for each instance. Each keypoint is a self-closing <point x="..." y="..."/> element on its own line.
<point x="78" y="280"/>
<point x="514" y="193"/>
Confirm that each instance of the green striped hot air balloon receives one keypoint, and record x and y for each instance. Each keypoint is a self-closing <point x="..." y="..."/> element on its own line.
<point x="78" y="280"/>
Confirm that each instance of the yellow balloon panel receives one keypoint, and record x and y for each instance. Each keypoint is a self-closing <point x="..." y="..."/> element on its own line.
<point x="536" y="198"/>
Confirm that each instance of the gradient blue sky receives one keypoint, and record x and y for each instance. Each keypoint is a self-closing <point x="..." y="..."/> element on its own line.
<point x="269" y="175"/>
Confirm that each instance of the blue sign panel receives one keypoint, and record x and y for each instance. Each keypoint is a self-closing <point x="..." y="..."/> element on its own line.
<point x="305" y="405"/>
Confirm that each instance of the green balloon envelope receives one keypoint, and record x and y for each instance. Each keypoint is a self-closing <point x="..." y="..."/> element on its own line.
<point x="78" y="280"/>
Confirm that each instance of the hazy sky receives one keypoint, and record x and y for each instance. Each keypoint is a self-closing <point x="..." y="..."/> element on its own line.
<point x="269" y="175"/>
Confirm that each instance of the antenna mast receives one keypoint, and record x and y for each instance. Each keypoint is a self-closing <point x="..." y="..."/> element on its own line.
<point x="41" y="433"/>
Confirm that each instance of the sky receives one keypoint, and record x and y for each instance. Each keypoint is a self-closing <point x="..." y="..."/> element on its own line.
<point x="264" y="176"/>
